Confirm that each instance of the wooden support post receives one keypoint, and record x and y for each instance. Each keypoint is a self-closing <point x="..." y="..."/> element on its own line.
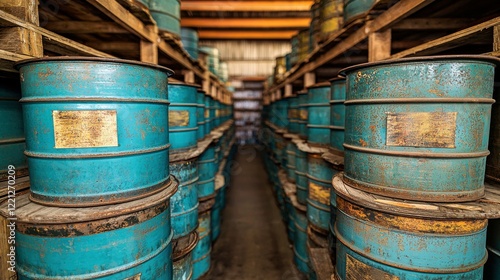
<point x="309" y="79"/>
<point x="189" y="77"/>
<point x="496" y="38"/>
<point x="213" y="91"/>
<point x="149" y="52"/>
<point x="288" y="90"/>
<point x="379" y="45"/>
<point x="17" y="39"/>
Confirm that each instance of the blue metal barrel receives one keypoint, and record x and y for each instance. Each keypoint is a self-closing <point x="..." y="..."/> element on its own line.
<point x="208" y="123"/>
<point x="201" y="114"/>
<point x="291" y="153"/>
<point x="290" y="210"/>
<point x="294" y="55"/>
<point x="185" y="201"/>
<point x="301" y="256"/>
<point x="337" y="113"/>
<point x="182" y="116"/>
<point x="120" y="241"/>
<point x="207" y="169"/>
<point x="319" y="173"/>
<point x="213" y="109"/>
<point x="202" y="251"/>
<point x="390" y="246"/>
<point x="302" y="181"/>
<point x="167" y="14"/>
<point x="416" y="138"/>
<point x="303" y="101"/>
<point x="189" y="38"/>
<point x="318" y="111"/>
<point x="216" y="213"/>
<point x="356" y="9"/>
<point x="218" y="111"/>
<point x="182" y="256"/>
<point x="293" y="115"/>
<point x="288" y="61"/>
<point x="332" y="239"/>
<point x="94" y="129"/>
<point x="213" y="58"/>
<point x="12" y="141"/>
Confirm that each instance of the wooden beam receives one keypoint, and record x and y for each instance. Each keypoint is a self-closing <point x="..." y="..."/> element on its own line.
<point x="114" y="46"/>
<point x="450" y="41"/>
<point x="149" y="52"/>
<point x="263" y="34"/>
<point x="235" y="23"/>
<point x="82" y="27"/>
<point x="379" y="45"/>
<point x="496" y="38"/>
<point x="245" y="6"/>
<point x="432" y="23"/>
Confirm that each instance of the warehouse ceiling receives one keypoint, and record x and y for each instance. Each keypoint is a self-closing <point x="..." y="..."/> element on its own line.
<point x="246" y="19"/>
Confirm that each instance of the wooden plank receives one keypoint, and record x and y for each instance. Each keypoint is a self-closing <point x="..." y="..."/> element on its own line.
<point x="125" y="18"/>
<point x="432" y="23"/>
<point x="189" y="77"/>
<point x="379" y="45"/>
<point x="450" y="41"/>
<point x="246" y="22"/>
<point x="245" y="6"/>
<point x="309" y="79"/>
<point x="177" y="56"/>
<point x="238" y="35"/>
<point x="496" y="38"/>
<point x="149" y="52"/>
<point x="322" y="265"/>
<point x="82" y="27"/>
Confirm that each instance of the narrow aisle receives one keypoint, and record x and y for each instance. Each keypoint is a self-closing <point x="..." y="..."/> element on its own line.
<point x="253" y="242"/>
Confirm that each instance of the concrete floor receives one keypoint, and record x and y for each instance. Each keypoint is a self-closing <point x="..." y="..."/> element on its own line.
<point x="253" y="242"/>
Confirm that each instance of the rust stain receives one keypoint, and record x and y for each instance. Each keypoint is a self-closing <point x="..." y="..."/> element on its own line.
<point x="356" y="270"/>
<point x="363" y="143"/>
<point x="45" y="74"/>
<point x="319" y="193"/>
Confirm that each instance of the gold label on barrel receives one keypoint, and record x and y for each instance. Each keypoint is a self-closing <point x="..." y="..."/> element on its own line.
<point x="207" y="113"/>
<point x="422" y="129"/>
<point x="217" y="113"/>
<point x="303" y="115"/>
<point x="85" y="129"/>
<point x="356" y="270"/>
<point x="319" y="193"/>
<point x="178" y="118"/>
<point x="135" y="277"/>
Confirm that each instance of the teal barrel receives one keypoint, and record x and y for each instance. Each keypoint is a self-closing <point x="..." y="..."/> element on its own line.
<point x="301" y="256"/>
<point x="384" y="243"/>
<point x="223" y="71"/>
<point x="213" y="58"/>
<point x="288" y="62"/>
<point x="318" y="111"/>
<point x="207" y="169"/>
<point x="167" y="14"/>
<point x="415" y="138"/>
<point x="302" y="180"/>
<point x="294" y="55"/>
<point x="189" y="38"/>
<point x="182" y="256"/>
<point x="182" y="116"/>
<point x="302" y="120"/>
<point x="213" y="109"/>
<point x="337" y="113"/>
<point x="319" y="173"/>
<point x="356" y="9"/>
<point x="202" y="251"/>
<point x="217" y="113"/>
<point x="216" y="213"/>
<point x="208" y="123"/>
<point x="94" y="128"/>
<point x="332" y="239"/>
<point x="185" y="201"/>
<point x="293" y="115"/>
<point x="200" y="99"/>
<point x="144" y="2"/>
<point x="291" y="154"/>
<point x="121" y="241"/>
<point x="12" y="141"/>
<point x="330" y="18"/>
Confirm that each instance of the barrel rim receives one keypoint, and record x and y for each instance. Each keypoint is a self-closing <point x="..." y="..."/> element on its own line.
<point x="336" y="79"/>
<point x="179" y="83"/>
<point x="21" y="63"/>
<point x="302" y="91"/>
<point x="483" y="58"/>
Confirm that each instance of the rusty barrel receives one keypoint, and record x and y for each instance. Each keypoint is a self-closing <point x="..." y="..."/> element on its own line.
<point x="279" y="68"/>
<point x="302" y="181"/>
<point x="167" y="15"/>
<point x="207" y="169"/>
<point x="200" y="99"/>
<point x="202" y="251"/>
<point x="301" y="256"/>
<point x="416" y="126"/>
<point x="12" y="141"/>
<point x="182" y="116"/>
<point x="318" y="111"/>
<point x="182" y="256"/>
<point x="96" y="129"/>
<point x="330" y="19"/>
<point x="319" y="174"/>
<point x="302" y="117"/>
<point x="377" y="240"/>
<point x="337" y="113"/>
<point x="95" y="242"/>
<point x="208" y="123"/>
<point x="293" y="115"/>
<point x="303" y="48"/>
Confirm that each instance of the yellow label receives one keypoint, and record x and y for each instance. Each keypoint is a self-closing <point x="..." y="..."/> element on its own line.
<point x="207" y="113"/>
<point x="217" y="112"/>
<point x="178" y="118"/>
<point x="135" y="277"/>
<point x="85" y="129"/>
<point x="422" y="129"/>
<point x="303" y="114"/>
<point x="319" y="193"/>
<point x="356" y="270"/>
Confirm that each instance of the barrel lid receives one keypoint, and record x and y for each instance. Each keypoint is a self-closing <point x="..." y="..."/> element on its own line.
<point x="319" y="85"/>
<point x="29" y="212"/>
<point x="485" y="208"/>
<point x="336" y="160"/>
<point x="484" y="58"/>
<point x="336" y="79"/>
<point x="308" y="148"/>
<point x="21" y="63"/>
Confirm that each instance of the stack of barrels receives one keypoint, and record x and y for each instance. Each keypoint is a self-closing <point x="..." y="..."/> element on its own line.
<point x="113" y="150"/>
<point x="413" y="152"/>
<point x="189" y="39"/>
<point x="167" y="14"/>
<point x="213" y="62"/>
<point x="280" y="68"/>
